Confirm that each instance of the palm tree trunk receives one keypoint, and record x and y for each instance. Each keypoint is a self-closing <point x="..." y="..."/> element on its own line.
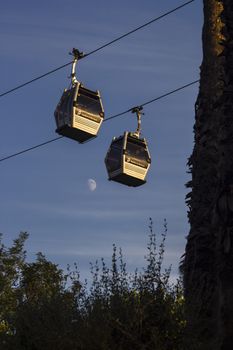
<point x="208" y="264"/>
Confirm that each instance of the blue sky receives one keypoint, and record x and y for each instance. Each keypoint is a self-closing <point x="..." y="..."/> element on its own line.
<point x="45" y="191"/>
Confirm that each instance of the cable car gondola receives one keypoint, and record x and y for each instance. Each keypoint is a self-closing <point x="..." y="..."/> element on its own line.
<point x="79" y="113"/>
<point x="128" y="159"/>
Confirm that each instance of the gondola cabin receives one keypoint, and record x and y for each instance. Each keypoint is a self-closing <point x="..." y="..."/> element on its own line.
<point x="79" y="113"/>
<point x="128" y="160"/>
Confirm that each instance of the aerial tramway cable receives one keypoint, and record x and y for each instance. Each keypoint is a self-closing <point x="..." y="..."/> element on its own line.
<point x="96" y="50"/>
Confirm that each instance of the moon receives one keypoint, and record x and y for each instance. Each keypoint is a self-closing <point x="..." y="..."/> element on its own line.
<point x="91" y="184"/>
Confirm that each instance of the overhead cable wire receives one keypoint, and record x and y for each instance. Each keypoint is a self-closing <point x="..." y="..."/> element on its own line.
<point x="30" y="148"/>
<point x="153" y="100"/>
<point x="140" y="27"/>
<point x="35" y="79"/>
<point x="96" y="50"/>
<point x="105" y="120"/>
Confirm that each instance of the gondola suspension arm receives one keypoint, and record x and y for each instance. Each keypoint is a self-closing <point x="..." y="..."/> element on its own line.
<point x="138" y="111"/>
<point x="77" y="55"/>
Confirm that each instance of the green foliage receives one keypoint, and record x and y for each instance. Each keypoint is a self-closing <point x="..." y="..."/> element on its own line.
<point x="11" y="262"/>
<point x="43" y="307"/>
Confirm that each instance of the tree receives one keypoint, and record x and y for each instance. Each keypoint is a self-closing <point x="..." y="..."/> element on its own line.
<point x="119" y="311"/>
<point x="208" y="262"/>
<point x="11" y="262"/>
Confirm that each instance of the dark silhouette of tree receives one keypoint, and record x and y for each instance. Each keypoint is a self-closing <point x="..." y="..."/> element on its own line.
<point x="208" y="262"/>
<point x="52" y="309"/>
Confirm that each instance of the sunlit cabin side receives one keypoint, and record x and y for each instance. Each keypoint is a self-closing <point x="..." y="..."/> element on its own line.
<point x="128" y="160"/>
<point x="79" y="113"/>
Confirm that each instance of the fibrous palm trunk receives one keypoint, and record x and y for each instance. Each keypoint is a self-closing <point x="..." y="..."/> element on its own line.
<point x="208" y="263"/>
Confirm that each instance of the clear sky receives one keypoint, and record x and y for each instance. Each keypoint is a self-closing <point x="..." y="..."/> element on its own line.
<point x="45" y="191"/>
